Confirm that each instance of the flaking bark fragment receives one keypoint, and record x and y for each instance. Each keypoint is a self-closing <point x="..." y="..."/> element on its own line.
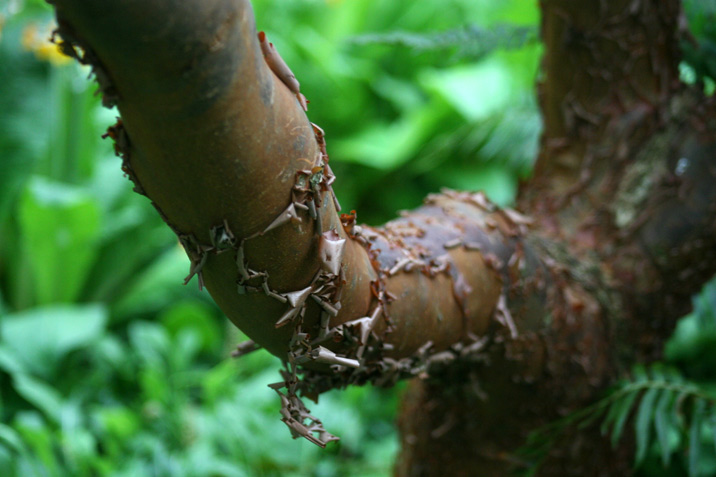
<point x="247" y="347"/>
<point x="281" y="69"/>
<point x="330" y="249"/>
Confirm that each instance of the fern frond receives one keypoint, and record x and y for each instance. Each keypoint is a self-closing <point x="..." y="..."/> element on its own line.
<point x="470" y="41"/>
<point x="665" y="404"/>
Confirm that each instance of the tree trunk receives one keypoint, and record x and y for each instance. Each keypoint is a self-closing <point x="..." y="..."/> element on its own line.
<point x="506" y="320"/>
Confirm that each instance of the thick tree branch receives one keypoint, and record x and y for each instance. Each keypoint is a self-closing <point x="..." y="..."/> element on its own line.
<point x="624" y="181"/>
<point x="200" y="113"/>
<point x="220" y="145"/>
<point x="222" y="148"/>
<point x="609" y="70"/>
<point x="624" y="170"/>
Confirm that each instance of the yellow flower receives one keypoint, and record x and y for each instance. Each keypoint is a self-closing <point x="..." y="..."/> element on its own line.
<point x="37" y="40"/>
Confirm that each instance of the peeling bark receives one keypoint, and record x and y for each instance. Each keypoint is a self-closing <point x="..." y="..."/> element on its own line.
<point x="507" y="320"/>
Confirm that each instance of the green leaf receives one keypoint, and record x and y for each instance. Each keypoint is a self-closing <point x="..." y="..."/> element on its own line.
<point x="194" y="317"/>
<point x="611" y="412"/>
<point x="60" y="227"/>
<point x="644" y="421"/>
<point x="9" y="361"/>
<point x="119" y="422"/>
<point x="386" y="146"/>
<point x="40" y="337"/>
<point x="80" y="449"/>
<point x="495" y="180"/>
<point x="39" y="394"/>
<point x="11" y="439"/>
<point x="695" y="436"/>
<point x="218" y="381"/>
<point x="23" y="122"/>
<point x="676" y="411"/>
<point x="663" y="424"/>
<point x="152" y="344"/>
<point x="470" y="41"/>
<point x="491" y="77"/>
<point x="713" y="424"/>
<point x="116" y="428"/>
<point x="110" y="354"/>
<point x="157" y="287"/>
<point x="622" y="407"/>
<point x="40" y="440"/>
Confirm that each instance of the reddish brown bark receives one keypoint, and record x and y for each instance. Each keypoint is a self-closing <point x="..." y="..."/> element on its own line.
<point x="509" y="321"/>
<point x="606" y="189"/>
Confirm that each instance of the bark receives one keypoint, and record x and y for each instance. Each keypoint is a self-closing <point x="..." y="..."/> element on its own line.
<point x="508" y="320"/>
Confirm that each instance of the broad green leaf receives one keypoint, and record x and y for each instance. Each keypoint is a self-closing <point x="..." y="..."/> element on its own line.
<point x="217" y="381"/>
<point x="644" y="421"/>
<point x="74" y="142"/>
<point x="122" y="261"/>
<point x="196" y="318"/>
<point x="386" y="146"/>
<point x="39" y="394"/>
<point x="40" y="440"/>
<point x="186" y="344"/>
<point x="457" y="86"/>
<point x="23" y="122"/>
<point x="9" y="361"/>
<point x="111" y="356"/>
<point x="60" y="227"/>
<point x="40" y="337"/>
<point x="152" y="344"/>
<point x="158" y="286"/>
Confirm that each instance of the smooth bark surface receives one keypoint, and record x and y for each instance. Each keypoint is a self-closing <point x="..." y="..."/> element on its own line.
<point x="509" y="320"/>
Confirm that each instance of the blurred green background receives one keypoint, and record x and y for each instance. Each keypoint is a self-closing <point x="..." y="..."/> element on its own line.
<point x="108" y="366"/>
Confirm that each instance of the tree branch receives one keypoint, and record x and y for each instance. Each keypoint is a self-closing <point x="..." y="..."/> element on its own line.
<point x="224" y="151"/>
<point x="218" y="140"/>
<point x="618" y="127"/>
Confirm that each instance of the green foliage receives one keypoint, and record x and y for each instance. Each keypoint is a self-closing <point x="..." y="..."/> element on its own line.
<point x="471" y="41"/>
<point x="699" y="49"/>
<point x="694" y="341"/>
<point x="671" y="410"/>
<point x="109" y="367"/>
<point x="670" y="416"/>
<point x="442" y="104"/>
